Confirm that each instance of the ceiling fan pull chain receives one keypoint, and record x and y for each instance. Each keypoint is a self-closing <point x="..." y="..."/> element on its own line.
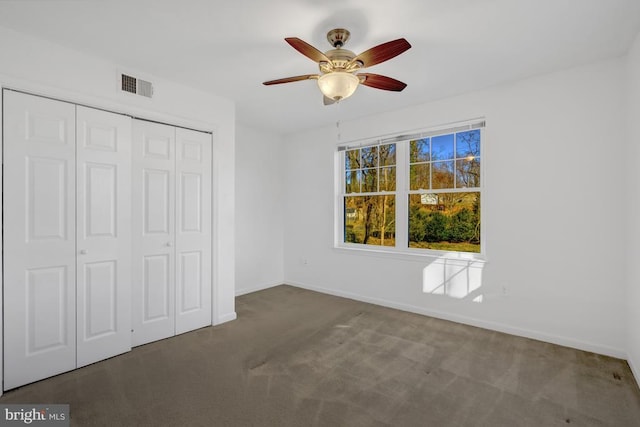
<point x="339" y="115"/>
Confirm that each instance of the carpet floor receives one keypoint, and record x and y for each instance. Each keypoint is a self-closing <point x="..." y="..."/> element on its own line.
<point x="300" y="358"/>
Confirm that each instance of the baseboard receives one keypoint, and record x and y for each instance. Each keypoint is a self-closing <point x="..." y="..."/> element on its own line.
<point x="494" y="326"/>
<point x="257" y="288"/>
<point x="634" y="370"/>
<point x="226" y="318"/>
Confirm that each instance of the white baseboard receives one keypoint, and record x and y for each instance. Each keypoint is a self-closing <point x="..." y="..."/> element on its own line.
<point x="256" y="288"/>
<point x="226" y="318"/>
<point x="485" y="324"/>
<point x="634" y="370"/>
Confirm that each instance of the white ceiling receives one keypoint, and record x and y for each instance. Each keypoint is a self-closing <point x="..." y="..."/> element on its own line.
<point x="230" y="47"/>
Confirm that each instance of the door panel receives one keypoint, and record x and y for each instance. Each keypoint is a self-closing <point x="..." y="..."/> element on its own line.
<point x="100" y="316"/>
<point x="46" y="128"/>
<point x="157" y="289"/>
<point x="157" y="202"/>
<point x="101" y="212"/>
<point x="47" y="195"/>
<point x="191" y="281"/>
<point x="46" y="309"/>
<point x="158" y="146"/>
<point x="154" y="237"/>
<point x="193" y="236"/>
<point x="104" y="234"/>
<point x="190" y="203"/>
<point x="39" y="238"/>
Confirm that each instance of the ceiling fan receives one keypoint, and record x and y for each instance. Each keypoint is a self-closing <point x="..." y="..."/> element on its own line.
<point x="339" y="68"/>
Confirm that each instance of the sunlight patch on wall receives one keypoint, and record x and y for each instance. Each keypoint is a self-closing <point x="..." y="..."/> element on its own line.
<point x="453" y="278"/>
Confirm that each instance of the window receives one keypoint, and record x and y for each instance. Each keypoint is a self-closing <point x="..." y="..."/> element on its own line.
<point x="413" y="193"/>
<point x="369" y="201"/>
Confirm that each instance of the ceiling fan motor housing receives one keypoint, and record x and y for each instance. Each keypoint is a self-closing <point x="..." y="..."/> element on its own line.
<point x="338" y="37"/>
<point x="340" y="61"/>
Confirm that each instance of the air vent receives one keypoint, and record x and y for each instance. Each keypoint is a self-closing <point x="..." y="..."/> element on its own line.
<point x="133" y="85"/>
<point x="145" y="88"/>
<point x="128" y="83"/>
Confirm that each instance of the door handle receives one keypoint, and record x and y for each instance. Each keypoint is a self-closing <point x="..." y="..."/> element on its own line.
<point x="84" y="252"/>
<point x="169" y="244"/>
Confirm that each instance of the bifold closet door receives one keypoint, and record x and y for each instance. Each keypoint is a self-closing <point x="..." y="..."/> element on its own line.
<point x="39" y="238"/>
<point x="153" y="236"/>
<point x="103" y="235"/>
<point x="67" y="248"/>
<point x="172" y="231"/>
<point x="193" y="230"/>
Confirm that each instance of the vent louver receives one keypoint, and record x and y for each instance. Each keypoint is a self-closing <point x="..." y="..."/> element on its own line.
<point x="145" y="88"/>
<point x="134" y="85"/>
<point x="128" y="84"/>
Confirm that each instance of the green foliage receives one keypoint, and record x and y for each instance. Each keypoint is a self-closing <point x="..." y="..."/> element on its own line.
<point x="349" y="234"/>
<point x="462" y="226"/>
<point x="437" y="227"/>
<point x="430" y="228"/>
<point x="417" y="221"/>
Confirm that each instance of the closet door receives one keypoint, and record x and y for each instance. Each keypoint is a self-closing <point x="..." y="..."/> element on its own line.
<point x="103" y="235"/>
<point x="40" y="238"/>
<point x="154" y="238"/>
<point x="193" y="230"/>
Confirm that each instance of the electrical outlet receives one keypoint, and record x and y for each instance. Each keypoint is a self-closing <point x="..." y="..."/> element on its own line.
<point x="304" y="261"/>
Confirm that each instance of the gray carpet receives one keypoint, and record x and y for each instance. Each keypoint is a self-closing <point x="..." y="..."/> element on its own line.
<point x="300" y="358"/>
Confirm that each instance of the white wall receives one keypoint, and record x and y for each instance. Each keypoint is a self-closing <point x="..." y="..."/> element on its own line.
<point x="38" y="66"/>
<point x="553" y="157"/>
<point x="259" y="199"/>
<point x="633" y="219"/>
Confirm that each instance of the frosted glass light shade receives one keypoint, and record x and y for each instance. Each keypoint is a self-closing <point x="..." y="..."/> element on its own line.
<point x="338" y="85"/>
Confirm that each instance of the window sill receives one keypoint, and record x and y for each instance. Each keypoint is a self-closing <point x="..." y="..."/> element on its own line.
<point x="416" y="255"/>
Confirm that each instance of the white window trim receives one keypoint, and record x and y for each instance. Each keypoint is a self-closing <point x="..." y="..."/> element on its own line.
<point x="402" y="250"/>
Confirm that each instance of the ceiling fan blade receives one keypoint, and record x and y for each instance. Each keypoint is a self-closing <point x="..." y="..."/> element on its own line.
<point x="327" y="101"/>
<point x="381" y="82"/>
<point x="382" y="52"/>
<point x="291" y="79"/>
<point x="307" y="50"/>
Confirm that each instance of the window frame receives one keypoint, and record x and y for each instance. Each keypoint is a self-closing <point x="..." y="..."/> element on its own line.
<point x="403" y="192"/>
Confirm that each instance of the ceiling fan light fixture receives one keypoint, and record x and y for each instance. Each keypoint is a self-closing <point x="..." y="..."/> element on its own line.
<point x="337" y="79"/>
<point x="338" y="85"/>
